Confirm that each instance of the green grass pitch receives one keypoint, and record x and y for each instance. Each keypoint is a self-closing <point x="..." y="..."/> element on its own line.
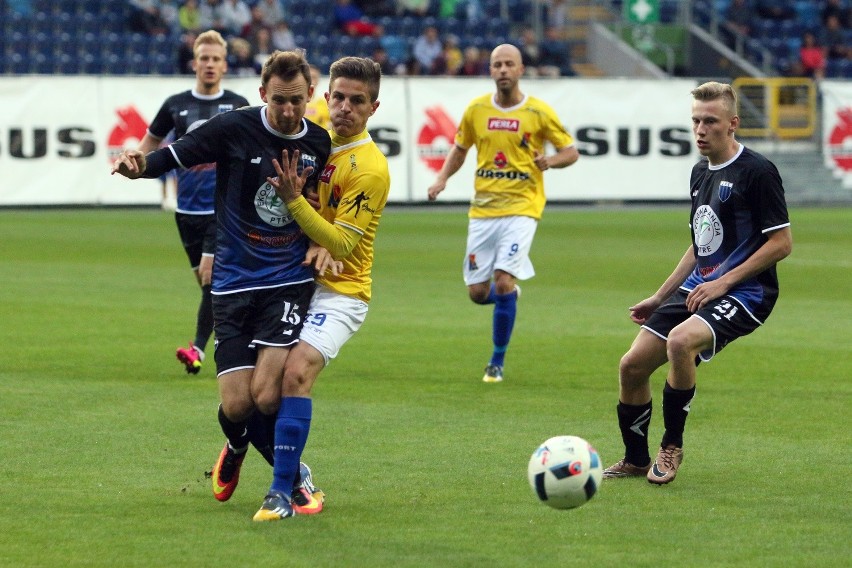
<point x="105" y="441"/>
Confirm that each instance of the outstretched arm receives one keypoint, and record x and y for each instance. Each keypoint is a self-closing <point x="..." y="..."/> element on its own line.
<point x="454" y="162"/>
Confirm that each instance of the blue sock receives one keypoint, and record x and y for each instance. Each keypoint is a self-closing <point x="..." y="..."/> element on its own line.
<point x="291" y="434"/>
<point x="505" y="307"/>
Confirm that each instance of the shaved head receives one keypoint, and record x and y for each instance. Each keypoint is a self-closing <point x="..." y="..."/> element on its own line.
<point x="506" y="50"/>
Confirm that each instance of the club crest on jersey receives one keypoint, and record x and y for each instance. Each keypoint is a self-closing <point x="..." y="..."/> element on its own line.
<point x="471" y="262"/>
<point x="525" y="140"/>
<point x="500" y="160"/>
<point x="225" y="107"/>
<point x="506" y="124"/>
<point x="725" y="190"/>
<point x="270" y="207"/>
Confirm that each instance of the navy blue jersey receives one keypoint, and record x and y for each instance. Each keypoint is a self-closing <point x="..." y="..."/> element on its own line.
<point x="258" y="245"/>
<point x="734" y="206"/>
<point x="182" y="113"/>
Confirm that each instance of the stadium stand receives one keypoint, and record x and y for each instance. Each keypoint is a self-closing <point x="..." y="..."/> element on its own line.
<point x="92" y="36"/>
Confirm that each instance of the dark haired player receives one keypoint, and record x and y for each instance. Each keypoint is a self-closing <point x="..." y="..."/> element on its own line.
<point x="724" y="286"/>
<point x="196" y="186"/>
<point x="263" y="275"/>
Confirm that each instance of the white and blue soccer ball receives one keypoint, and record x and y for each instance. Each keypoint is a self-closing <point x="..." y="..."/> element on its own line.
<point x="565" y="472"/>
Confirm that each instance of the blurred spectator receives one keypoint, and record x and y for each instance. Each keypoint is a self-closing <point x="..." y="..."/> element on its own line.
<point x="272" y="12"/>
<point x="472" y="65"/>
<point x="255" y="24"/>
<point x="554" y="55"/>
<point x="416" y="8"/>
<point x="211" y="17"/>
<point x="282" y="37"/>
<point x="834" y="39"/>
<point x="261" y="46"/>
<point x="186" y="53"/>
<point x="776" y="9"/>
<point x="449" y="8"/>
<point x="380" y="56"/>
<point x="240" y="59"/>
<point x="530" y="53"/>
<point x="189" y="16"/>
<point x="377" y="8"/>
<point x="740" y="17"/>
<point x="352" y="20"/>
<point x="449" y="60"/>
<point x="169" y="14"/>
<point x="397" y="50"/>
<point x="812" y="57"/>
<point x="145" y="18"/>
<point x="557" y="14"/>
<point x="427" y="48"/>
<point x="235" y="15"/>
<point x="836" y="8"/>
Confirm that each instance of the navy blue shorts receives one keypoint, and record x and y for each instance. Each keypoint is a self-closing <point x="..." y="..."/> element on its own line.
<point x="725" y="317"/>
<point x="198" y="235"/>
<point x="247" y="321"/>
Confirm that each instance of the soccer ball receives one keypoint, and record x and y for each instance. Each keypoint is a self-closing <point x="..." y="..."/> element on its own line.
<point x="565" y="472"/>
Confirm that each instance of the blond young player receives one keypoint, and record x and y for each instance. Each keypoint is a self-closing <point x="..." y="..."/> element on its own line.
<point x="509" y="129"/>
<point x="317" y="109"/>
<point x="353" y="189"/>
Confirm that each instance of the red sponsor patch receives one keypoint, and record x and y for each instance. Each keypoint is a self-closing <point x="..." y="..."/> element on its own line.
<point x="325" y="176"/>
<point x="508" y="124"/>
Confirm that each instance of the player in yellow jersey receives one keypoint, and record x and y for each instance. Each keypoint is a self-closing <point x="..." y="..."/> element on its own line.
<point x="353" y="189"/>
<point x="509" y="129"/>
<point x="317" y="109"/>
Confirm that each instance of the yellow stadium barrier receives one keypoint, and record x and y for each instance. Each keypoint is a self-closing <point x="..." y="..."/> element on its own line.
<point x="776" y="107"/>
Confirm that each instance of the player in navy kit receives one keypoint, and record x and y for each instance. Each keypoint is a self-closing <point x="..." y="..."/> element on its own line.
<point x="194" y="214"/>
<point x="263" y="276"/>
<point x="724" y="286"/>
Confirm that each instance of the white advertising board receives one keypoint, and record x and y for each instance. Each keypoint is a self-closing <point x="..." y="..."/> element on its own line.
<point x="58" y="136"/>
<point x="837" y="129"/>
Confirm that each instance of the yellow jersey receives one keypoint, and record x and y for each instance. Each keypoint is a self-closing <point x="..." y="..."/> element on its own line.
<point x="506" y="139"/>
<point x="353" y="190"/>
<point x="317" y="112"/>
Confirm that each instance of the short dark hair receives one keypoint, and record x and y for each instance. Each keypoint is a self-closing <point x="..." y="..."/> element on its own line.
<point x="286" y="65"/>
<point x="358" y="69"/>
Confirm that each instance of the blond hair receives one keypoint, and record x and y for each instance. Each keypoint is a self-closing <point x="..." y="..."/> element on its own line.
<point x="210" y="37"/>
<point x="712" y="91"/>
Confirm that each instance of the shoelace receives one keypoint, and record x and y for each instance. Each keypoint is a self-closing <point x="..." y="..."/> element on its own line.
<point x="667" y="457"/>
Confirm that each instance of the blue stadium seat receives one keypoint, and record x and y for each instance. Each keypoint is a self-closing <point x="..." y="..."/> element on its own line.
<point x="342" y="46"/>
<point x="765" y="28"/>
<point x="91" y="63"/>
<point x="792" y="29"/>
<point x="807" y="12"/>
<point x="68" y="63"/>
<point x="366" y="45"/>
<point x="18" y="64"/>
<point x="163" y="64"/>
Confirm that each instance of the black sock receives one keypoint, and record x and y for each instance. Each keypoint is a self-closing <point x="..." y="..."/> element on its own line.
<point x="258" y="436"/>
<point x="633" y="420"/>
<point x="675" y="410"/>
<point x="235" y="432"/>
<point x="204" y="320"/>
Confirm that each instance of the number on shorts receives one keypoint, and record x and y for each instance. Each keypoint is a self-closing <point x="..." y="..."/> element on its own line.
<point x="513" y="249"/>
<point x="291" y="314"/>
<point x="316" y="319"/>
<point x="726" y="309"/>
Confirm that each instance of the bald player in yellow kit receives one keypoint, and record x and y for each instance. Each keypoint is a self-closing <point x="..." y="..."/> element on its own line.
<point x="509" y="129"/>
<point x="353" y="189"/>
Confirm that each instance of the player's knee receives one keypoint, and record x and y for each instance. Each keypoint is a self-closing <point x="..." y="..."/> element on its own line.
<point x="632" y="371"/>
<point x="296" y="381"/>
<point x="237" y="408"/>
<point x="479" y="293"/>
